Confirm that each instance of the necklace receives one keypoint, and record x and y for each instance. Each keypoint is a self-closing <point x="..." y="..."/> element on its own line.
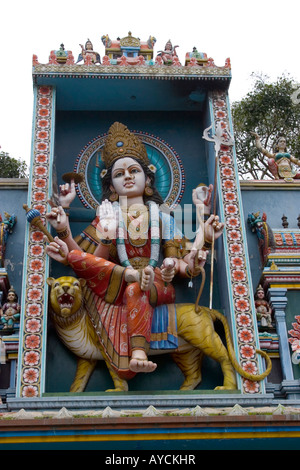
<point x="137" y="225"/>
<point x="154" y="233"/>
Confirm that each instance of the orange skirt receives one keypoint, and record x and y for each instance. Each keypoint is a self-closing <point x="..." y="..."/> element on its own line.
<point x="121" y="313"/>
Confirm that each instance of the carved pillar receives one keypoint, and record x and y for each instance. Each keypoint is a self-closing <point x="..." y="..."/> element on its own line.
<point x="240" y="304"/>
<point x="278" y="301"/>
<point x="290" y="388"/>
<point x="33" y="321"/>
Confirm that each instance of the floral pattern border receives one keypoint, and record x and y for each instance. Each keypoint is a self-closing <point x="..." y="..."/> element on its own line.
<point x="30" y="354"/>
<point x="243" y="320"/>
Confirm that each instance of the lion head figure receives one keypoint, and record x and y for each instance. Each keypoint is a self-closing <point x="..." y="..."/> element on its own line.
<point x="65" y="295"/>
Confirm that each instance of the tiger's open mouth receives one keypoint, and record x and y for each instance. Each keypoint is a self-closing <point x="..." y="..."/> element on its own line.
<point x="66" y="301"/>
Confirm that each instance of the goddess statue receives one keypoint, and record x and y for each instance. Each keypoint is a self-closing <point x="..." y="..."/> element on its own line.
<point x="280" y="162"/>
<point x="10" y="311"/>
<point x="263" y="309"/>
<point x="88" y="53"/>
<point x="119" y="253"/>
<point x="168" y="54"/>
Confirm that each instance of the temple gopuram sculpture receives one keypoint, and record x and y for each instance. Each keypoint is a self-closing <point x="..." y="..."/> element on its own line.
<point x="128" y="50"/>
<point x="125" y="263"/>
<point x="148" y="313"/>
<point x="138" y="268"/>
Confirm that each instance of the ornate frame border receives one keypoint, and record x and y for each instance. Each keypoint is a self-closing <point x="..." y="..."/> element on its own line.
<point x="235" y="249"/>
<point x="33" y="323"/>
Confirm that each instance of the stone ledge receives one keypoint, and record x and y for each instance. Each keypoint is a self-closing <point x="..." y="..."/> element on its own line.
<point x="150" y="415"/>
<point x="136" y="401"/>
<point x="81" y="71"/>
<point x="14" y="183"/>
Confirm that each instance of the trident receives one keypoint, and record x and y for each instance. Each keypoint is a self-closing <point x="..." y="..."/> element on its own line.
<point x="221" y="137"/>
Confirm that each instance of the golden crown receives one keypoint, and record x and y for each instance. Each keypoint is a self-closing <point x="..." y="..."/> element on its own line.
<point x="120" y="143"/>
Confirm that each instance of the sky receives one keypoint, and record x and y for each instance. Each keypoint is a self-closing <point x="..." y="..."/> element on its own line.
<point x="261" y="36"/>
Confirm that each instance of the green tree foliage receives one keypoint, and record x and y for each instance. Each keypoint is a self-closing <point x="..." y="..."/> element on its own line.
<point x="12" y="168"/>
<point x="270" y="110"/>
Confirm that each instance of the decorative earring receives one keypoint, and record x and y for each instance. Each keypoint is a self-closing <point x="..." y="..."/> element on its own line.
<point x="148" y="191"/>
<point x="113" y="196"/>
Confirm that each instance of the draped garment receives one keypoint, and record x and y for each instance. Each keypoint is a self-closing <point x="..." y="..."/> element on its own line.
<point x="120" y="312"/>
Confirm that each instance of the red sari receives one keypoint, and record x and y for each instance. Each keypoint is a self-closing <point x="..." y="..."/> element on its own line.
<point x="121" y="313"/>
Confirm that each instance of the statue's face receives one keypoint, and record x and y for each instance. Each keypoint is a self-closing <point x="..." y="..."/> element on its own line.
<point x="128" y="177"/>
<point x="11" y="297"/>
<point x="281" y="143"/>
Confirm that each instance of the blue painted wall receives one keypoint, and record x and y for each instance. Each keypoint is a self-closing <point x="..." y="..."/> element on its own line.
<point x="12" y="199"/>
<point x="182" y="131"/>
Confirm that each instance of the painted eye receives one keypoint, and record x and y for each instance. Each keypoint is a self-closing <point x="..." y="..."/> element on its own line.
<point x="56" y="284"/>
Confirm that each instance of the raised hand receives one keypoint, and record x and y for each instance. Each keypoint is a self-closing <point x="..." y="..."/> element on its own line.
<point x="67" y="193"/>
<point x="57" y="217"/>
<point x="107" y="225"/>
<point x="195" y="260"/>
<point x="213" y="228"/>
<point x="56" y="249"/>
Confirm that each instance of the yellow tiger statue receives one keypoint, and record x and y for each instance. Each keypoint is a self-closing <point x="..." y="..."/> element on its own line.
<point x="196" y="334"/>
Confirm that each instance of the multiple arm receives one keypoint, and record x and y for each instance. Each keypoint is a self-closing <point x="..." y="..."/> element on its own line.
<point x="190" y="265"/>
<point x="61" y="223"/>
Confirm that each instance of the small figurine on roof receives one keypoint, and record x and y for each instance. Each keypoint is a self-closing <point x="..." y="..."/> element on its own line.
<point x="88" y="55"/>
<point x="168" y="54"/>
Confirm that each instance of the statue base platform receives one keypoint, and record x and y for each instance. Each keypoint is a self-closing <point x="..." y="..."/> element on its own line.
<point x="166" y="400"/>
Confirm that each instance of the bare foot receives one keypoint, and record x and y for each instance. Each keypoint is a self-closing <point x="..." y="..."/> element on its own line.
<point x="139" y="362"/>
<point x="147" y="278"/>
